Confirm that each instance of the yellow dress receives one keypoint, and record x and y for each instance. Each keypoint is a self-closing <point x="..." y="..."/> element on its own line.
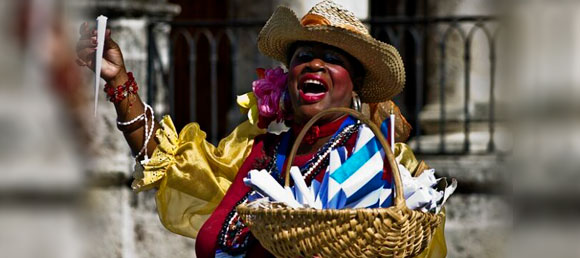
<point x="192" y="176"/>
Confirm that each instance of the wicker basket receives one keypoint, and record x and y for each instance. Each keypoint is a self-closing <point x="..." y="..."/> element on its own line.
<point x="384" y="232"/>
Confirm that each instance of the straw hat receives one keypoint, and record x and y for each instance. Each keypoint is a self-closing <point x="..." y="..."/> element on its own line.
<point x="331" y="24"/>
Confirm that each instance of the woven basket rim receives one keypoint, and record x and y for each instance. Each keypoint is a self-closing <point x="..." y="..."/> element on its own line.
<point x="313" y="210"/>
<point x="282" y="240"/>
<point x="245" y="209"/>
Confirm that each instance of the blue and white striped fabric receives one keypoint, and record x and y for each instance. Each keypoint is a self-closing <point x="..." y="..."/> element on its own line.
<point x="357" y="182"/>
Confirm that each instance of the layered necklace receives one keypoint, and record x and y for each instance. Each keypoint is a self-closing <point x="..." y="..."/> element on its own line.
<point x="234" y="236"/>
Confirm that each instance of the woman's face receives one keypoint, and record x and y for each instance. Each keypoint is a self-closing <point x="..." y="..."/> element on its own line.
<point x="319" y="78"/>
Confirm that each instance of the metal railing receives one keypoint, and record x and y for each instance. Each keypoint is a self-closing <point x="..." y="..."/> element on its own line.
<point x="426" y="37"/>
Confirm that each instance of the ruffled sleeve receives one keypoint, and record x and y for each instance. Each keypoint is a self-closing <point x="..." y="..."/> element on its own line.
<point x="191" y="174"/>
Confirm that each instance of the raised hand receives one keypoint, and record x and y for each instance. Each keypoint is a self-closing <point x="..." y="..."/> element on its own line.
<point x="114" y="72"/>
<point x="113" y="68"/>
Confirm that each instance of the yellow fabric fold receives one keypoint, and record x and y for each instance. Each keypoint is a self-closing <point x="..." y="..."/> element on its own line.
<point x="249" y="105"/>
<point x="405" y="156"/>
<point x="191" y="174"/>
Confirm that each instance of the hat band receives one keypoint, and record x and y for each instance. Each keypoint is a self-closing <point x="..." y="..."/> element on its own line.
<point x="311" y="19"/>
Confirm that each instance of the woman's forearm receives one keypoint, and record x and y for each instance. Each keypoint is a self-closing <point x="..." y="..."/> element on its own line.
<point x="128" y="109"/>
<point x="114" y="72"/>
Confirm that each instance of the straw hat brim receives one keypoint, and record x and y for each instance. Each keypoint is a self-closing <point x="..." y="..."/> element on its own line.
<point x="385" y="73"/>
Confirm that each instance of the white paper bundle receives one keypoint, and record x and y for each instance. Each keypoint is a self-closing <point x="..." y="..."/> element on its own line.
<point x="265" y="184"/>
<point x="101" y="28"/>
<point x="356" y="182"/>
<point x="420" y="192"/>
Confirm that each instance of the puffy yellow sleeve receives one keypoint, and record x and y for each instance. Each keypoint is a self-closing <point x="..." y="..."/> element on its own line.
<point x="437" y="247"/>
<point x="191" y="174"/>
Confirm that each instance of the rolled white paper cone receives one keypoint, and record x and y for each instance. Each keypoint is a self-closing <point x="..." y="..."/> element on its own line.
<point x="409" y="183"/>
<point x="427" y="178"/>
<point x="449" y="190"/>
<point x="101" y="28"/>
<point x="271" y="188"/>
<point x="301" y="185"/>
<point x="418" y="199"/>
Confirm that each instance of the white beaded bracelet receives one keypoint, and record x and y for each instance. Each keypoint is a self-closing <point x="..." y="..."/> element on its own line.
<point x="138" y="118"/>
<point x="148" y="131"/>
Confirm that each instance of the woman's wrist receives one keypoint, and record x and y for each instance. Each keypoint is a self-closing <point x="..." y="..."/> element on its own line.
<point x="120" y="78"/>
<point x="118" y="92"/>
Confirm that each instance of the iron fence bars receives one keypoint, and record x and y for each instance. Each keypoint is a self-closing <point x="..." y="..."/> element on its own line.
<point x="418" y="39"/>
<point x="441" y="29"/>
<point x="411" y="33"/>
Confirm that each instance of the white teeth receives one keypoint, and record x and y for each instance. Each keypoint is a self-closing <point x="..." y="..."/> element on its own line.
<point x="314" y="82"/>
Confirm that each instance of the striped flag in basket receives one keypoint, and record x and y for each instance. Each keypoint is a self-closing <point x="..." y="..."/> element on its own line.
<point x="359" y="181"/>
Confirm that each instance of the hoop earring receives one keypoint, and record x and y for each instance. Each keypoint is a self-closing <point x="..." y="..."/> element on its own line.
<point x="356" y="103"/>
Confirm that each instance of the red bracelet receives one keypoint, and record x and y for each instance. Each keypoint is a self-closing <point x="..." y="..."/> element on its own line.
<point x="119" y="93"/>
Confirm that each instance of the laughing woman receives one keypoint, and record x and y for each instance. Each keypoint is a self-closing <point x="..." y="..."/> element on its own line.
<point x="332" y="61"/>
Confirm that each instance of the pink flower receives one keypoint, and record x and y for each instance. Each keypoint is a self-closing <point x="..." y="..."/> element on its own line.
<point x="268" y="89"/>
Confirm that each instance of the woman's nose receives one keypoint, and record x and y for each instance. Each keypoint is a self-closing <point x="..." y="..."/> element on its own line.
<point x="316" y="65"/>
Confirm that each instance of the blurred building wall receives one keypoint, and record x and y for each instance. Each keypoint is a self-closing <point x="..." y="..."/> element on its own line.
<point x="120" y="223"/>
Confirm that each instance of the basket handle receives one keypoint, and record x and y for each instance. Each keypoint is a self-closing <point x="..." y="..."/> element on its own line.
<point x="399" y="200"/>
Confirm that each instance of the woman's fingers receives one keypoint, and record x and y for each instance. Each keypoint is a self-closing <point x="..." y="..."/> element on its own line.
<point x="87" y="31"/>
<point x="86" y="43"/>
<point x="89" y="39"/>
<point x="109" y="42"/>
<point x="80" y="62"/>
<point x="86" y="50"/>
<point x="83" y="28"/>
<point x="87" y="55"/>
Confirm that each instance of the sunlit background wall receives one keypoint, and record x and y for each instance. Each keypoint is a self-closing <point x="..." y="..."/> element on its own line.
<point x="492" y="93"/>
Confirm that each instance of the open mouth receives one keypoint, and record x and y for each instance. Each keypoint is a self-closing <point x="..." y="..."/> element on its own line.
<point x="312" y="89"/>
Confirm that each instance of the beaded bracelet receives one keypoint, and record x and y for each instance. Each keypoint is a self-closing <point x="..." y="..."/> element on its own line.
<point x="120" y="92"/>
<point x="148" y="132"/>
<point x="128" y="127"/>
<point x="148" y="128"/>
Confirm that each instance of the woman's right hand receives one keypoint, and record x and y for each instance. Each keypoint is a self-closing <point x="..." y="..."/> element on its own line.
<point x="114" y="72"/>
<point x="113" y="66"/>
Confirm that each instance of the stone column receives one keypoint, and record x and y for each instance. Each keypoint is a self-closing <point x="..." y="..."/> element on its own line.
<point x="454" y="73"/>
<point x="127" y="20"/>
<point x="359" y="8"/>
<point x="477" y="223"/>
<point x="128" y="223"/>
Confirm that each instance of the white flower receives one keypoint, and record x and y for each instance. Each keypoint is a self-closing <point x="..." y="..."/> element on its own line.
<point x="277" y="127"/>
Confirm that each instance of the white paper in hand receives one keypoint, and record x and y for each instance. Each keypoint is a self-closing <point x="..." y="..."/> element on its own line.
<point x="101" y="28"/>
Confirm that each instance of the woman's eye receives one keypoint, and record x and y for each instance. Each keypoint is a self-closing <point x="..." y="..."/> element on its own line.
<point x="304" y="56"/>
<point x="333" y="59"/>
